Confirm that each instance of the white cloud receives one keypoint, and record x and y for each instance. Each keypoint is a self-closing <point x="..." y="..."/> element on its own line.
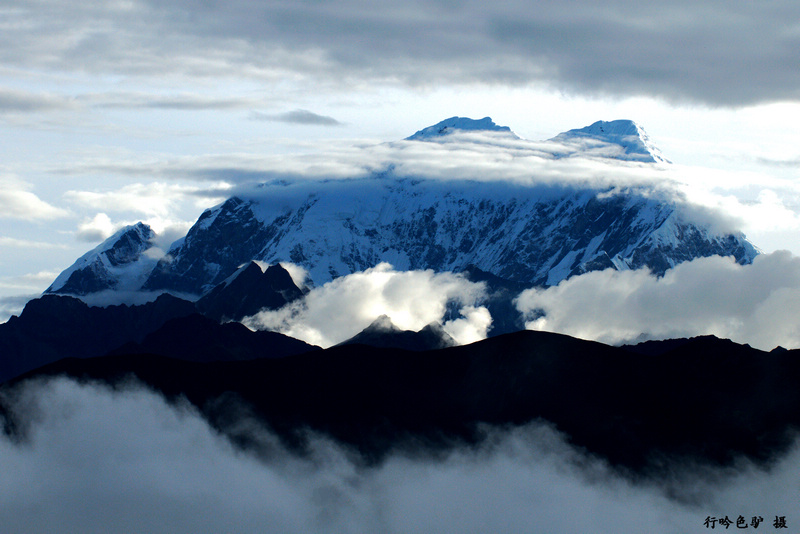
<point x="765" y="207"/>
<point x="473" y="326"/>
<point x="298" y="273"/>
<point x="343" y="307"/>
<point x="725" y="200"/>
<point x="96" y="229"/>
<point x="757" y="304"/>
<point x="484" y="156"/>
<point x="157" y="204"/>
<point x="17" y="202"/>
<point x="155" y="200"/>
<point x="94" y="459"/>
<point x="25" y="243"/>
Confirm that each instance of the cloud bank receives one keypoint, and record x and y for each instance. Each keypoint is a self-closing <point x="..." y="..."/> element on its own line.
<point x="733" y="54"/>
<point x="756" y="304"/>
<point x="345" y="306"/>
<point x="724" y="200"/>
<point x="93" y="459"/>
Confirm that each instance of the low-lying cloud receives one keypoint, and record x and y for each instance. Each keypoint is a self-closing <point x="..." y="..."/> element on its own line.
<point x="756" y="304"/>
<point x="764" y="208"/>
<point x="345" y="306"/>
<point x="153" y="200"/>
<point x="95" y="459"/>
<point x="476" y="155"/>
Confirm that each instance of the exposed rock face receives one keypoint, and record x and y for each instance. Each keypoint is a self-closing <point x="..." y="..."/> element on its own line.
<point x="536" y="235"/>
<point x="248" y="291"/>
<point x="383" y="333"/>
<point x="532" y="235"/>
<point x="118" y="263"/>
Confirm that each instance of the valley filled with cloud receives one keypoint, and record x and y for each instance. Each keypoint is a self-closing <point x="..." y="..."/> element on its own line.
<point x="92" y="459"/>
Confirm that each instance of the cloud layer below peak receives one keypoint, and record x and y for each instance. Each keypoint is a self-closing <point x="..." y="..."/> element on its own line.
<point x="345" y="306"/>
<point x="756" y="304"/>
<point x="95" y="459"/>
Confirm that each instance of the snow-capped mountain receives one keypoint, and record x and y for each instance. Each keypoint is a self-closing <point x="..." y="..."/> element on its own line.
<point x="621" y="139"/>
<point x="527" y="234"/>
<point x="118" y="263"/>
<point x="454" y="124"/>
<point x="535" y="235"/>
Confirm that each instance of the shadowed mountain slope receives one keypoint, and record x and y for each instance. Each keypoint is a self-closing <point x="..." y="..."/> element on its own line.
<point x="383" y="333"/>
<point x="707" y="400"/>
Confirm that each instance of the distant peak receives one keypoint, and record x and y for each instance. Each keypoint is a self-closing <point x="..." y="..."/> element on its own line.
<point x="617" y="127"/>
<point x="113" y="264"/>
<point x="452" y="124"/>
<point x="139" y="232"/>
<point x="623" y="132"/>
<point x="382" y="324"/>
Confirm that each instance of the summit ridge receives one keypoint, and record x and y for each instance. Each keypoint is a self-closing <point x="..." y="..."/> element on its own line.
<point x="627" y="134"/>
<point x="454" y="124"/>
<point x="535" y="235"/>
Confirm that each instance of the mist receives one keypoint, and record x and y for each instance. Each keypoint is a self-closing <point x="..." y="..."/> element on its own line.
<point x="88" y="458"/>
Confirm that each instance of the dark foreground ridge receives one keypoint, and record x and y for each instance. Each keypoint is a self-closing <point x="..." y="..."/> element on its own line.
<point x="60" y="326"/>
<point x="703" y="400"/>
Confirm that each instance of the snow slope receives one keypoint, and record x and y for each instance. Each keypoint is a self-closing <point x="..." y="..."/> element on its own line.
<point x="622" y="139"/>
<point x="538" y="235"/>
<point x="530" y="234"/>
<point x="454" y="124"/>
<point x="118" y="263"/>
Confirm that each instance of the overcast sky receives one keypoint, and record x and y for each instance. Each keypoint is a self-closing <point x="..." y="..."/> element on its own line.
<point x="117" y="111"/>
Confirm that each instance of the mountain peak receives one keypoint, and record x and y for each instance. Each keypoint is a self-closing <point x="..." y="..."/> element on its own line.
<point x="116" y="263"/>
<point x="452" y="124"/>
<point x="382" y="332"/>
<point x="623" y="132"/>
<point x="382" y="324"/>
<point x="248" y="291"/>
